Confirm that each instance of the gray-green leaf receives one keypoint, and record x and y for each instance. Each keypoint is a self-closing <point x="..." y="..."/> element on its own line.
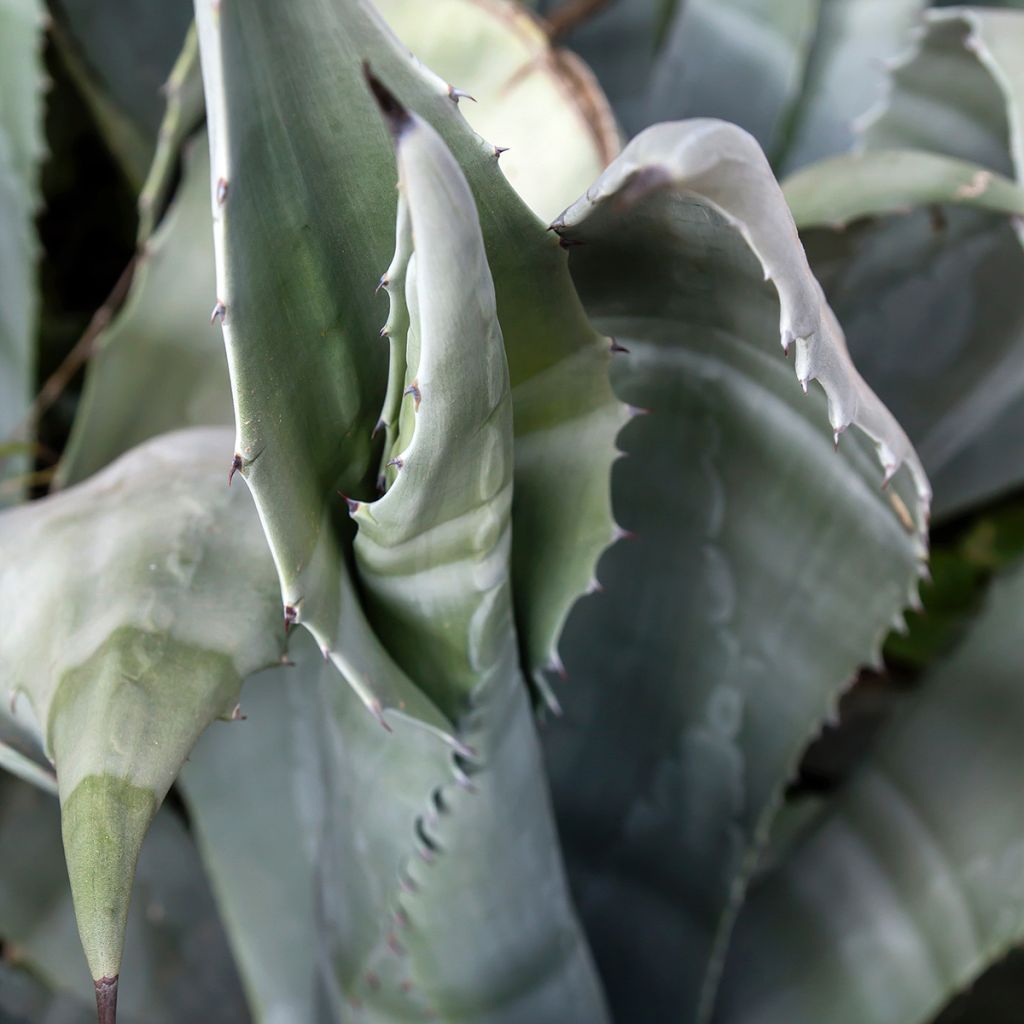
<point x="910" y="884"/>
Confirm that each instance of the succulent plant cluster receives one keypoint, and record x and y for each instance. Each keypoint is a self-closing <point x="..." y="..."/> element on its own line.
<point x="474" y="677"/>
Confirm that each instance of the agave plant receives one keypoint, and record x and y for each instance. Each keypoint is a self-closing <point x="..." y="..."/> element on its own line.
<point x="548" y="564"/>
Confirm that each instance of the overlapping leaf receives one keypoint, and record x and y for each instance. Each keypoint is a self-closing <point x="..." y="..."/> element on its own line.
<point x="303" y="214"/>
<point x="135" y="605"/>
<point x="910" y="884"/>
<point x="765" y="567"/>
<point x="404" y="827"/>
<point x="943" y="278"/>
<point x="177" y="964"/>
<point x="739" y="60"/>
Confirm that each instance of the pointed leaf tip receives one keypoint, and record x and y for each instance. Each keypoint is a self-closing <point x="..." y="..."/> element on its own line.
<point x="395" y="114"/>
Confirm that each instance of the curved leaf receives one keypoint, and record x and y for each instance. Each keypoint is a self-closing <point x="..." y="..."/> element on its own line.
<point x="952" y="94"/>
<point x="400" y="827"/>
<point x="177" y="964"/>
<point x="433" y="551"/>
<point x="433" y="554"/>
<point x="136" y="603"/>
<point x="183" y="115"/>
<point x="910" y="884"/>
<point x="300" y="245"/>
<point x="946" y="279"/>
<point x="836" y="192"/>
<point x="739" y="505"/>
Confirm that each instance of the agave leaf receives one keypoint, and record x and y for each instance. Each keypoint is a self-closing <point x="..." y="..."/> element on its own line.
<point x="21" y="149"/>
<point x="136" y="603"/>
<point x="542" y="105"/>
<point x="255" y="791"/>
<point x="845" y="75"/>
<point x="300" y="244"/>
<point x="738" y="60"/>
<point x="177" y="962"/>
<point x="344" y="924"/>
<point x="875" y="183"/>
<point x="910" y="884"/>
<point x="399" y="825"/>
<point x="158" y="366"/>
<point x="945" y="279"/>
<point x="795" y="75"/>
<point x="765" y="567"/>
<point x="120" y="55"/>
<point x="433" y="551"/>
<point x="957" y="91"/>
<point x="434" y="556"/>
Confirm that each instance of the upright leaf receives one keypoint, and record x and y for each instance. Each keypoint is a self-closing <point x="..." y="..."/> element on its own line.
<point x="255" y="795"/>
<point x="911" y="883"/>
<point x="400" y="828"/>
<point x="765" y="567"/>
<point x="135" y="605"/>
<point x="303" y="209"/>
<point x="434" y="555"/>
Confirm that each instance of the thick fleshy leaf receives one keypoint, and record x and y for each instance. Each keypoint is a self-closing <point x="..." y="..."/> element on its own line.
<point x="957" y="92"/>
<point x="738" y="60"/>
<point x="254" y="791"/>
<point x="159" y="365"/>
<point x="446" y="894"/>
<point x="433" y="551"/>
<point x="120" y="56"/>
<point x="303" y="209"/>
<point x="845" y="74"/>
<point x="434" y="557"/>
<point x="879" y="182"/>
<point x="910" y="884"/>
<point x="368" y="917"/>
<point x="21" y="148"/>
<point x="765" y="567"/>
<point x="948" y="286"/>
<point x="177" y="964"/>
<point x="540" y="104"/>
<point x="944" y="280"/>
<point x="135" y="605"/>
